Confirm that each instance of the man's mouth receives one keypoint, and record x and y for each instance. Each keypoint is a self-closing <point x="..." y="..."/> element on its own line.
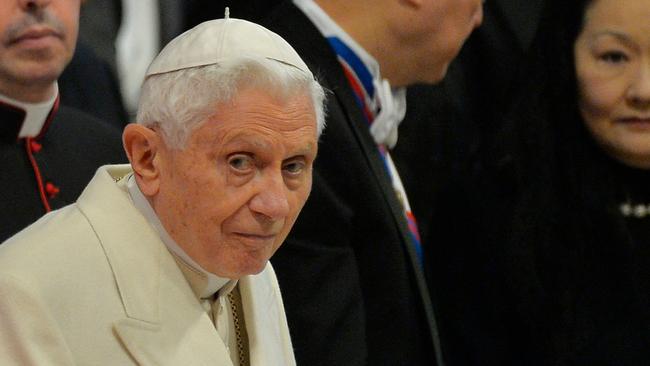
<point x="35" y="35"/>
<point x="257" y="239"/>
<point x="257" y="236"/>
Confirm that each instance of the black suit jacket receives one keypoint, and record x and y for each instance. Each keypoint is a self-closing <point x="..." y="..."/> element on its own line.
<point x="353" y="291"/>
<point x="72" y="148"/>
<point x="89" y="85"/>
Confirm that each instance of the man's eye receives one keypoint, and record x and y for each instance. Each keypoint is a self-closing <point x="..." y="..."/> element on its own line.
<point x="240" y="162"/>
<point x="294" y="167"/>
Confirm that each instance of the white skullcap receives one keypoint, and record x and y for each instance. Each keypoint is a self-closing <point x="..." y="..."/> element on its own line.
<point x="218" y="40"/>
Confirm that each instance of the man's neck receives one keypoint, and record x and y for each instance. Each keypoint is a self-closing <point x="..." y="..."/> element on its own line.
<point x="371" y="34"/>
<point x="30" y="94"/>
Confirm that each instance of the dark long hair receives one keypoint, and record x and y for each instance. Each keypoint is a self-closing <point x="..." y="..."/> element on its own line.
<point x="546" y="120"/>
<point x="563" y="192"/>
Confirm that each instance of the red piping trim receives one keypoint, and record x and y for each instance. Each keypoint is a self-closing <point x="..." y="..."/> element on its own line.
<point x="37" y="173"/>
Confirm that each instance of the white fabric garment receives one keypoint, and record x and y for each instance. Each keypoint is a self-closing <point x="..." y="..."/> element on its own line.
<point x="137" y="43"/>
<point x="393" y="109"/>
<point x="35" y="113"/>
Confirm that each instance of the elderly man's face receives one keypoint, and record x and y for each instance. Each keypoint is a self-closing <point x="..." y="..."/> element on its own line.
<point x="37" y="40"/>
<point x="231" y="196"/>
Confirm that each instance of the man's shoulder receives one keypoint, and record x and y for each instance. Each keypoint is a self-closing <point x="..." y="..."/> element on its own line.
<point x="310" y="44"/>
<point x="85" y="137"/>
<point x="322" y="60"/>
<point x="72" y="117"/>
<point x="56" y="234"/>
<point x="62" y="236"/>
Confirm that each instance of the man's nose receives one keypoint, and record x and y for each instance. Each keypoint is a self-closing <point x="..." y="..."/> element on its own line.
<point x="638" y="93"/>
<point x="33" y="4"/>
<point x="271" y="200"/>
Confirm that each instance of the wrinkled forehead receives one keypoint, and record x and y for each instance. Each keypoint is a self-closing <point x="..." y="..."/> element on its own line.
<point x="255" y="112"/>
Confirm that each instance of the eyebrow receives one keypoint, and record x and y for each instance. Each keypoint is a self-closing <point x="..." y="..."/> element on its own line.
<point x="257" y="143"/>
<point x="304" y="151"/>
<point x="615" y="34"/>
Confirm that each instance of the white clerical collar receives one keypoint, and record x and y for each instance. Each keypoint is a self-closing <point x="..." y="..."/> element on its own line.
<point x="35" y="113"/>
<point x="392" y="100"/>
<point x="214" y="283"/>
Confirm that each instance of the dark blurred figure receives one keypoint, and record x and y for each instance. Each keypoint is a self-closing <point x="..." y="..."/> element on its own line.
<point x="126" y="35"/>
<point x="89" y="84"/>
<point x="252" y="10"/>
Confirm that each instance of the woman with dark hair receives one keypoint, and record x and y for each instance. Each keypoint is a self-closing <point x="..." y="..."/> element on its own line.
<point x="570" y="220"/>
<point x="544" y="259"/>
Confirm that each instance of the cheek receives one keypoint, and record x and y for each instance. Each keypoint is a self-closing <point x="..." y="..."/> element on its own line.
<point x="68" y="14"/>
<point x="211" y="207"/>
<point x="599" y="96"/>
<point x="457" y="30"/>
<point x="197" y="197"/>
<point x="302" y="194"/>
<point x="229" y="208"/>
<point x="4" y="23"/>
<point x="296" y="201"/>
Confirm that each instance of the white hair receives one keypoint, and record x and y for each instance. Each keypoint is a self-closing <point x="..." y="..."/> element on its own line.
<point x="177" y="102"/>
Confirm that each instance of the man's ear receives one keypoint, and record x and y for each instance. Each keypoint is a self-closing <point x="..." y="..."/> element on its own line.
<point x="143" y="147"/>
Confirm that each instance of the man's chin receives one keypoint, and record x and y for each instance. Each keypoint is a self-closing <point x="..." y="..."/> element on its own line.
<point x="245" y="267"/>
<point x="437" y="76"/>
<point x="33" y="71"/>
<point x="42" y="75"/>
<point x="254" y="267"/>
<point x="32" y="86"/>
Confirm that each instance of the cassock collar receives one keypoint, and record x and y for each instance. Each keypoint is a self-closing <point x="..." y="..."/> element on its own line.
<point x="203" y="283"/>
<point x="20" y="119"/>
